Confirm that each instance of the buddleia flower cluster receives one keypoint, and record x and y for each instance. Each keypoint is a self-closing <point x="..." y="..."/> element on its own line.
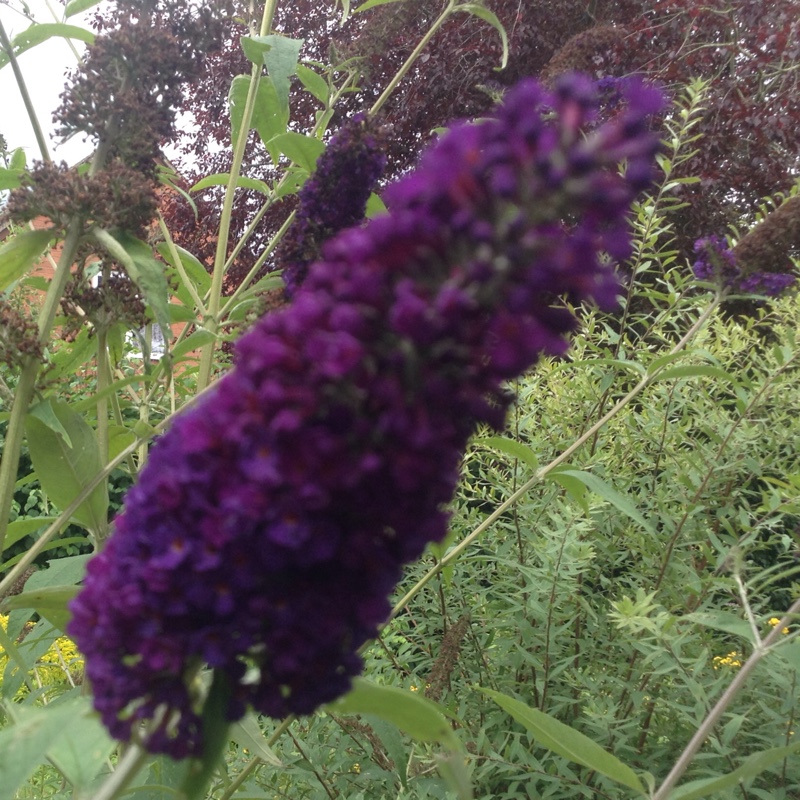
<point x="760" y="263"/>
<point x="335" y="197"/>
<point x="273" y="519"/>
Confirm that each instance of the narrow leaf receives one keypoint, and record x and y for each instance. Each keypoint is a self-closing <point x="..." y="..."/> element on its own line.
<point x="20" y="253"/>
<point x="609" y="493"/>
<point x="76" y="6"/>
<point x="511" y="447"/>
<point x="489" y="16"/>
<point x="752" y="766"/>
<point x="418" y="717"/>
<point x="45" y="412"/>
<point x="64" y="470"/>
<point x="147" y="272"/>
<point x="314" y="83"/>
<point x="21" y="528"/>
<point x="696" y="371"/>
<point x="372" y="4"/>
<point x="567" y="742"/>
<point x="247" y="733"/>
<point x="303" y="150"/>
<point x="222" y="178"/>
<point x="50" y="603"/>
<point x="24" y="744"/>
<point x="42" y="31"/>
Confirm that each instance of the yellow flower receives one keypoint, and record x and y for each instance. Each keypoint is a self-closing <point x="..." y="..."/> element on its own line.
<point x="774" y="621"/>
<point x="733" y="659"/>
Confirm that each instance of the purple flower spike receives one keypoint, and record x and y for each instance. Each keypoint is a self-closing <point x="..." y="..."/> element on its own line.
<point x="273" y="519"/>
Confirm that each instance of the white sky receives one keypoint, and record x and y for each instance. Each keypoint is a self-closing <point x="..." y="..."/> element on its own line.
<point x="44" y="68"/>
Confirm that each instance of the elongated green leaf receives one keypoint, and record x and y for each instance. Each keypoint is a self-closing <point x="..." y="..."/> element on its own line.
<point x="45" y="412"/>
<point x="147" y="272"/>
<point x="393" y="743"/>
<point x="420" y="718"/>
<point x="192" y="342"/>
<point x="696" y="371"/>
<point x="76" y="6"/>
<point x="222" y="178"/>
<point x="722" y="621"/>
<point x="511" y="447"/>
<point x="20" y="253"/>
<point x="23" y="745"/>
<point x="194" y="270"/>
<point x="303" y="150"/>
<point x="10" y="178"/>
<point x="281" y="63"/>
<point x="485" y="14"/>
<point x="609" y="493"/>
<point x="50" y="603"/>
<point x="18" y="159"/>
<point x="80" y="752"/>
<point x="567" y="742"/>
<point x="65" y="470"/>
<point x="372" y="4"/>
<point x="42" y="31"/>
<point x="575" y="488"/>
<point x="279" y="54"/>
<point x="247" y="733"/>
<point x="314" y="83"/>
<point x="21" y="528"/>
<point x="269" y="117"/>
<point x="752" y="766"/>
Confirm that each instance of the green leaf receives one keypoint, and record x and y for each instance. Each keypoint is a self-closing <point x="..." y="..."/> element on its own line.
<point x="21" y="528"/>
<point x="375" y="207"/>
<point x="192" y="342"/>
<point x="279" y="54"/>
<point x="420" y="718"/>
<point x="752" y="766"/>
<point x="45" y="412"/>
<point x="696" y="371"/>
<point x="269" y="117"/>
<point x="80" y="753"/>
<point x="222" y="178"/>
<point x="65" y="469"/>
<point x="609" y="493"/>
<point x="23" y="745"/>
<point x="511" y="447"/>
<point x="314" y="83"/>
<point x="489" y="16"/>
<point x="50" y="603"/>
<point x="42" y="31"/>
<point x="575" y="488"/>
<point x="20" y="253"/>
<point x="147" y="272"/>
<point x="372" y="4"/>
<point x="392" y="742"/>
<point x="303" y="150"/>
<point x="722" y="621"/>
<point x="567" y="742"/>
<point x="247" y="733"/>
<point x="119" y="438"/>
<point x="76" y="6"/>
<point x="10" y="178"/>
<point x="195" y="271"/>
<point x="18" y="159"/>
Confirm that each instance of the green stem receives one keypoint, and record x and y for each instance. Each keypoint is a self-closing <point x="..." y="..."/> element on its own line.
<point x="416" y="53"/>
<point x="212" y="321"/>
<point x="103" y="381"/>
<point x="5" y="44"/>
<point x="542" y="472"/>
<point x="714" y="716"/>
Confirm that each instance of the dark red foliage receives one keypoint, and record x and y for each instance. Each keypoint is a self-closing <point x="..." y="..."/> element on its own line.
<point x="748" y="50"/>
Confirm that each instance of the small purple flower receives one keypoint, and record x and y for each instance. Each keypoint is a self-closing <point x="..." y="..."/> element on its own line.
<point x="717" y="263"/>
<point x="273" y="519"/>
